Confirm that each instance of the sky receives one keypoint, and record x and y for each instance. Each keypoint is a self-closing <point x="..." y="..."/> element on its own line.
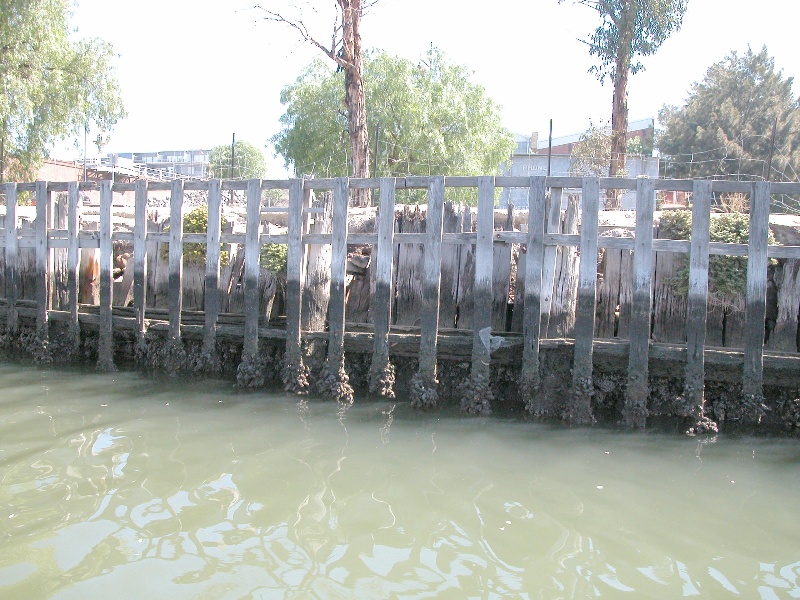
<point x="194" y="72"/>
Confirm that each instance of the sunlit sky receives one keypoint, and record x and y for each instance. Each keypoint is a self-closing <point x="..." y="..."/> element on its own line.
<point x="193" y="72"/>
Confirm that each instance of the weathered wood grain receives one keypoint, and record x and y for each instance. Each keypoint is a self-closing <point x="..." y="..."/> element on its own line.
<point x="429" y="319"/>
<point x="753" y="373"/>
<point x="252" y="268"/>
<point x="105" y="349"/>
<point x="140" y="258"/>
<point x="11" y="254"/>
<point x="175" y="266"/>
<point x="637" y="391"/>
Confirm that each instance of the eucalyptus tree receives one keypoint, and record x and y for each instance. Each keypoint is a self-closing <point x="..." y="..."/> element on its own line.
<point x="52" y="87"/>
<point x="429" y="117"/>
<point x="346" y="53"/>
<point x="629" y="30"/>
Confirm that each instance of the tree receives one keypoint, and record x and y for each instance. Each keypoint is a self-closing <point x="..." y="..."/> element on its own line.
<point x="431" y="120"/>
<point x="52" y="87"/>
<point x="591" y="155"/>
<point x="629" y="29"/>
<point x="725" y="129"/>
<point x="248" y="161"/>
<point x="344" y="50"/>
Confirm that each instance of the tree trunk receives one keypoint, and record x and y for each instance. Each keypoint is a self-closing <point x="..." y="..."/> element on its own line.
<point x="619" y="109"/>
<point x="354" y="95"/>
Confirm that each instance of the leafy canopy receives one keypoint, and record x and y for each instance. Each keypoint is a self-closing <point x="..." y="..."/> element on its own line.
<point x="630" y="29"/>
<point x="52" y="87"/>
<point x="725" y="128"/>
<point x="248" y="161"/>
<point x="432" y="120"/>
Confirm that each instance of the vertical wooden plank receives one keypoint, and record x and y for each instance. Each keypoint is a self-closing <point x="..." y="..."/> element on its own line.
<point x="175" y="293"/>
<point x="579" y="410"/>
<point x="381" y="371"/>
<point x="549" y="261"/>
<point x="295" y="375"/>
<point x="211" y="297"/>
<point x="334" y="381"/>
<point x="105" y="349"/>
<point x="532" y="302"/>
<point x="140" y="258"/>
<point x="756" y="300"/>
<point x="336" y="315"/>
<point x="477" y="396"/>
<point x="694" y="387"/>
<point x="11" y="252"/>
<point x="423" y="389"/>
<point x="42" y="252"/>
<point x="252" y="270"/>
<point x="73" y="261"/>
<point x="637" y="391"/>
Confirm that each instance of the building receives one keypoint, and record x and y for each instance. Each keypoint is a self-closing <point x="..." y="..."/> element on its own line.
<point x="168" y="164"/>
<point x="532" y="155"/>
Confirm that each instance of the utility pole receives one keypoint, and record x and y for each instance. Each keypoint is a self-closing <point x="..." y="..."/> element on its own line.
<point x="233" y="152"/>
<point x="550" y="147"/>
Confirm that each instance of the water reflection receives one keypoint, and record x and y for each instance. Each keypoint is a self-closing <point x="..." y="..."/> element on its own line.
<point x="188" y="490"/>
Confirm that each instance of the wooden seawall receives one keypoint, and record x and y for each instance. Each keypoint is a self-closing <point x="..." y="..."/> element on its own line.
<point x="487" y="344"/>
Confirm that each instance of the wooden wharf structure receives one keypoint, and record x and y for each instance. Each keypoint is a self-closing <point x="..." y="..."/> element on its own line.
<point x="429" y="342"/>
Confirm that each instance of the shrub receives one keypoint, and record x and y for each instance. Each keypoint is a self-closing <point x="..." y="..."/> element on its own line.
<point x="727" y="275"/>
<point x="196" y="221"/>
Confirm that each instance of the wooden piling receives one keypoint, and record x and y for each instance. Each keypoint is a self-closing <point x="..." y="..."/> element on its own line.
<point x="42" y="274"/>
<point x="11" y="253"/>
<point x="334" y="381"/>
<point x="637" y="391"/>
<point x="105" y="347"/>
<point x="477" y="397"/>
<point x="73" y="262"/>
<point x="553" y="225"/>
<point x="140" y="262"/>
<point x="211" y="298"/>
<point x="424" y="391"/>
<point x="579" y="409"/>
<point x="753" y="374"/>
<point x="381" y="380"/>
<point x="250" y="372"/>
<point x="294" y="373"/>
<point x="694" y="375"/>
<point x="532" y="303"/>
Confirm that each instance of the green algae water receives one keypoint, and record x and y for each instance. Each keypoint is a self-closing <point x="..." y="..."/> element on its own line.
<point x="119" y="486"/>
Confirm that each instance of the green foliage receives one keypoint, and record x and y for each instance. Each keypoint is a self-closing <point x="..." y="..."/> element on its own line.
<point x="591" y="155"/>
<point x="630" y="29"/>
<point x="196" y="221"/>
<point x="52" y="87"/>
<point x="637" y="145"/>
<point x="432" y="120"/>
<point x="724" y="130"/>
<point x="273" y="257"/>
<point x="248" y="162"/>
<point x="727" y="275"/>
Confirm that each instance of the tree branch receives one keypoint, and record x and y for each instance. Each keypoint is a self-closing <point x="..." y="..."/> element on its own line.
<point x="301" y="29"/>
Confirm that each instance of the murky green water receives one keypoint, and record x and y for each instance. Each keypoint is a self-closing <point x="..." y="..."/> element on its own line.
<point x="122" y="487"/>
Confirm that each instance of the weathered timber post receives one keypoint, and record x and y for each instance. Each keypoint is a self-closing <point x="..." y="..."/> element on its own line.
<point x="250" y="372"/>
<point x="477" y="396"/>
<point x="294" y="373"/>
<point x="175" y="359"/>
<point x="423" y="385"/>
<point x="105" y="347"/>
<point x="73" y="264"/>
<point x="756" y="303"/>
<point x="381" y="372"/>
<point x="333" y="380"/>
<point x="12" y="276"/>
<point x="140" y="264"/>
<point x="209" y="358"/>
<point x="634" y="413"/>
<point x="530" y="378"/>
<point x="693" y="401"/>
<point x="579" y="405"/>
<point x="41" y="351"/>
<point x="549" y="265"/>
